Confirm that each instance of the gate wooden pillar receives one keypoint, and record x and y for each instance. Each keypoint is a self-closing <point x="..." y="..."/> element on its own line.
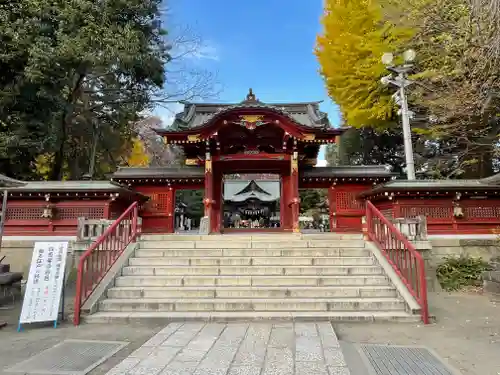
<point x="218" y="200"/>
<point x="285" y="207"/>
<point x="332" y="207"/>
<point x="208" y="200"/>
<point x="294" y="192"/>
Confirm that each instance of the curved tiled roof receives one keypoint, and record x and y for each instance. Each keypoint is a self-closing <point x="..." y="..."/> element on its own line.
<point x="374" y="171"/>
<point x="348" y="171"/>
<point x="158" y="172"/>
<point x="486" y="184"/>
<point x="242" y="190"/>
<point x="196" y="115"/>
<point x="9" y="182"/>
<point x="69" y="186"/>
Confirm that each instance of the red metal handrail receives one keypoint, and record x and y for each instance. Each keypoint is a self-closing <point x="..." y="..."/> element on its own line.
<point x="102" y="254"/>
<point x="401" y="254"/>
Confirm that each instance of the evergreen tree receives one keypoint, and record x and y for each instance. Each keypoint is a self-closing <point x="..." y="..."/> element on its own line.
<point x="74" y="73"/>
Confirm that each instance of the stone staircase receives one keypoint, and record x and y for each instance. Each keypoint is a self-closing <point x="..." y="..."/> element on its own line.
<point x="282" y="276"/>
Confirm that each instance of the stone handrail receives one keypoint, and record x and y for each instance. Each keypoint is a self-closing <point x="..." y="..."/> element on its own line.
<point x="90" y="229"/>
<point x="413" y="228"/>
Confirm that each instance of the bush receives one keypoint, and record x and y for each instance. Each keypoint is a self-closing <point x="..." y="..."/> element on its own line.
<point x="459" y="272"/>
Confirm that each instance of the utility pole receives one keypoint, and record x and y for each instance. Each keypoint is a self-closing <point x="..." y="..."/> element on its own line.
<point x="401" y="81"/>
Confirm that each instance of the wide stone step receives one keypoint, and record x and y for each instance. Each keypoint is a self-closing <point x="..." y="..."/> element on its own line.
<point x="251" y="292"/>
<point x="250" y="270"/>
<point x="248" y="261"/>
<point x="305" y="252"/>
<point x="235" y="304"/>
<point x="252" y="237"/>
<point x="232" y="244"/>
<point x="146" y="281"/>
<point x="164" y="317"/>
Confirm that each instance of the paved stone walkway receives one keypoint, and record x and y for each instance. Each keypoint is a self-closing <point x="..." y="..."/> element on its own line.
<point x="238" y="349"/>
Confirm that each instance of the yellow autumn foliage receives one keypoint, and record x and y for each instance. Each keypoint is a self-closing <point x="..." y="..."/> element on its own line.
<point x="355" y="36"/>
<point x="138" y="156"/>
<point x="43" y="166"/>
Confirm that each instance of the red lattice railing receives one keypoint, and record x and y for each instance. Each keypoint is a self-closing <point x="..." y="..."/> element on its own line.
<point x="401" y="254"/>
<point x="102" y="254"/>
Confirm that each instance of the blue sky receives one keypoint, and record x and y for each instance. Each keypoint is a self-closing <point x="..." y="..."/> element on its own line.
<point x="263" y="44"/>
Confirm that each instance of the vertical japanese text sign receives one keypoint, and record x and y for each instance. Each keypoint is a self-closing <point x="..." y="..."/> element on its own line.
<point x="42" y="296"/>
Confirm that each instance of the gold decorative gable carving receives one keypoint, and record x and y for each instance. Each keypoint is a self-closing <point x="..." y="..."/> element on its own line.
<point x="309" y="137"/>
<point x="252" y="118"/>
<point x="194" y="138"/>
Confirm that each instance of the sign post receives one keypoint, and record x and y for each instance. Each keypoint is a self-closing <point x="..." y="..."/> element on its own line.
<point x="42" y="296"/>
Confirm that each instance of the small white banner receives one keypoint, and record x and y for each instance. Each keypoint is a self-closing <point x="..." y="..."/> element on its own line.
<point x="204" y="225"/>
<point x="42" y="296"/>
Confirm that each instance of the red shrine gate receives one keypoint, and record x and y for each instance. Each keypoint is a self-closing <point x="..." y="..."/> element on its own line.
<point x="252" y="137"/>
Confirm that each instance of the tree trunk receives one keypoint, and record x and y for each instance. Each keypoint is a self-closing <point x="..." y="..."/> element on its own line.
<point x="484" y="165"/>
<point x="56" y="172"/>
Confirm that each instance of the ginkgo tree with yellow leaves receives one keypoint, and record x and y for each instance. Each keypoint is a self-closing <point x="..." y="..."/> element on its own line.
<point x="456" y="71"/>
<point x="138" y="156"/>
<point x="354" y="37"/>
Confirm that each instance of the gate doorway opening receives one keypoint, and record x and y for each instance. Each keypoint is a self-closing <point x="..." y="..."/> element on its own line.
<point x="188" y="210"/>
<point x="251" y="202"/>
<point x="314" y="210"/>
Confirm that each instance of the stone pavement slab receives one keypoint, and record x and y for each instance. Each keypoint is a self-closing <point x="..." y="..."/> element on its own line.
<point x="238" y="349"/>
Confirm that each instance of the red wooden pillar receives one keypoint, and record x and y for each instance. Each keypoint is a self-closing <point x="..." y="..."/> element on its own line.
<point x="170" y="210"/>
<point x="209" y="191"/>
<point x="396" y="209"/>
<point x="282" y="202"/>
<point x="285" y="209"/>
<point x="217" y="202"/>
<point x="107" y="209"/>
<point x="294" y="192"/>
<point x="332" y="204"/>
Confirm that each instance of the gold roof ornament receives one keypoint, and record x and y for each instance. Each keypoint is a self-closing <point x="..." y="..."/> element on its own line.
<point x="194" y="138"/>
<point x="252" y="118"/>
<point x="251" y="96"/>
<point x="309" y="137"/>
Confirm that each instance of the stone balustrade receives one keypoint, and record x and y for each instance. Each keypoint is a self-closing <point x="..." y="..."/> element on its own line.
<point x="91" y="229"/>
<point x="415" y="228"/>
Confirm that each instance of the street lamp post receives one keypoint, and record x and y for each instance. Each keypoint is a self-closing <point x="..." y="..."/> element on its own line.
<point x="399" y="78"/>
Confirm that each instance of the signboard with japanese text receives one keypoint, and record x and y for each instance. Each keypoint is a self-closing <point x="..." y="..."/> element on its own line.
<point x="204" y="225"/>
<point x="42" y="296"/>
